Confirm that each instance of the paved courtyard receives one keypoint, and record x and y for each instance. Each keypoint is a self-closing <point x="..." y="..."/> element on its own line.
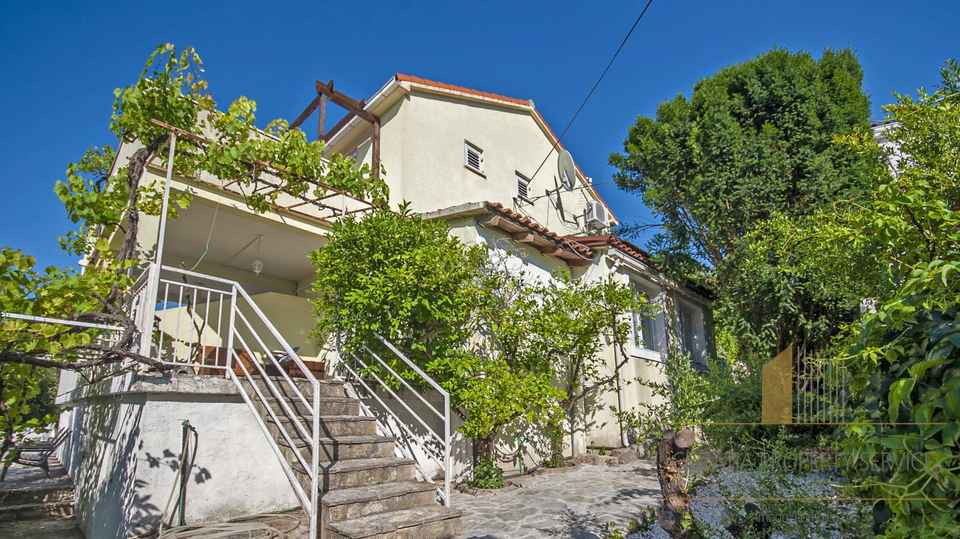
<point x="573" y="504"/>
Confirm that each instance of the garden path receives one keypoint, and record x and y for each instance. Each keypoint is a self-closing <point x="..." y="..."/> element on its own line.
<point x="573" y="504"/>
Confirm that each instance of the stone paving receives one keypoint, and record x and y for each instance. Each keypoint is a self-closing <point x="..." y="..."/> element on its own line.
<point x="577" y="503"/>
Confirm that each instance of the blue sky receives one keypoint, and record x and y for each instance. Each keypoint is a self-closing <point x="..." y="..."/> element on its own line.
<point x="62" y="60"/>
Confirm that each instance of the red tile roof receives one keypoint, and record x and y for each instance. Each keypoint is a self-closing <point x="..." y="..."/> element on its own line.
<point x="530" y="224"/>
<point x="425" y="82"/>
<point x="512" y="100"/>
<point x="621" y="244"/>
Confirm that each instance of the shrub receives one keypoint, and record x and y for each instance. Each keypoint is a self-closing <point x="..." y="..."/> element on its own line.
<point x="486" y="474"/>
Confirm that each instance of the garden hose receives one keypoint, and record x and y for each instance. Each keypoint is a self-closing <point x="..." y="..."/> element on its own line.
<point x="233" y="527"/>
<point x="182" y="471"/>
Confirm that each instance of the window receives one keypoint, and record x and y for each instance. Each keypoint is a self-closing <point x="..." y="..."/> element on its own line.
<point x="648" y="327"/>
<point x="692" y="336"/>
<point x="687" y="339"/>
<point x="523" y="187"/>
<point x="473" y="157"/>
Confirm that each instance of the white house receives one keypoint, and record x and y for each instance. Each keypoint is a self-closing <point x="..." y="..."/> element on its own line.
<point x="228" y="306"/>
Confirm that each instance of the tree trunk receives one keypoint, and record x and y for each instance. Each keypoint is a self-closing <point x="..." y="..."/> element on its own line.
<point x="485" y="446"/>
<point x="675" y="515"/>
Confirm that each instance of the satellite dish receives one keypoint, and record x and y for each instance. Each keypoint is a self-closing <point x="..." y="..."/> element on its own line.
<point x="566" y="169"/>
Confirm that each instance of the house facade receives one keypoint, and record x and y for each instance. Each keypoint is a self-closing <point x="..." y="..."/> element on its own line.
<point x="231" y="287"/>
<point x="490" y="166"/>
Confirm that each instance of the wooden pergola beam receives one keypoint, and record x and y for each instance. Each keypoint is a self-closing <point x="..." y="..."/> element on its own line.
<point x="343" y="121"/>
<point x="345" y="101"/>
<point x="306" y="112"/>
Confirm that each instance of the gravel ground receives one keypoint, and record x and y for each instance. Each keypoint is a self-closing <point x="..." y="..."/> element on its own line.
<point x="816" y="515"/>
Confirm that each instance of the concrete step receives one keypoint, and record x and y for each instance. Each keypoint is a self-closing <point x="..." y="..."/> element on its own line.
<point x="436" y="522"/>
<point x="34" y="511"/>
<point x="328" y="388"/>
<point x="353" y="503"/>
<point x="331" y="426"/>
<point x="328" y="406"/>
<point x="24" y="496"/>
<point x="343" y="448"/>
<point x="358" y="472"/>
<point x="58" y="528"/>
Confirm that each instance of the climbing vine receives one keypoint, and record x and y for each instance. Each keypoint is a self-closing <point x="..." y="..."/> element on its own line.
<point x="105" y="198"/>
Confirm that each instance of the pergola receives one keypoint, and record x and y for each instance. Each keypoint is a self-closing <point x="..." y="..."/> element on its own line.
<point x="354" y="108"/>
<point x="321" y="201"/>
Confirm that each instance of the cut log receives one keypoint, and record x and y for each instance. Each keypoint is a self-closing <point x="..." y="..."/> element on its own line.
<point x="675" y="515"/>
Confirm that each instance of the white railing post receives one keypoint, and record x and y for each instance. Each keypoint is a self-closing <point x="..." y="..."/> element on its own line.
<point x="148" y="311"/>
<point x="315" y="463"/>
<point x="446" y="449"/>
<point x="233" y="310"/>
<point x="166" y="199"/>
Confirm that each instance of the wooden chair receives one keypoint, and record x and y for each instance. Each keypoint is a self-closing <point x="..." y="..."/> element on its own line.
<point x="37" y="455"/>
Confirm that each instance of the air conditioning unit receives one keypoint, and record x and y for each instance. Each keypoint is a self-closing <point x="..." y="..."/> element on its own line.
<point x="597" y="215"/>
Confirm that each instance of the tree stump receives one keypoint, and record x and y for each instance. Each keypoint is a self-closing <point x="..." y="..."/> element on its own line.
<point x="675" y="515"/>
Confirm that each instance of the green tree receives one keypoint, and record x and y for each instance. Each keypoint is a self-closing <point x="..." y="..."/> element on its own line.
<point x="504" y="345"/>
<point x="753" y="141"/>
<point x="443" y="305"/>
<point x="907" y="354"/>
<point x="570" y="323"/>
<point x="901" y="247"/>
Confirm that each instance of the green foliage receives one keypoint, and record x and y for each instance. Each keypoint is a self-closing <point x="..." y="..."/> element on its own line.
<point x="679" y="398"/>
<point x="499" y="341"/>
<point x="447" y="307"/>
<point x="486" y="474"/>
<point x="26" y="389"/>
<point x="754" y="140"/>
<point x="906" y="355"/>
<point x="400" y="276"/>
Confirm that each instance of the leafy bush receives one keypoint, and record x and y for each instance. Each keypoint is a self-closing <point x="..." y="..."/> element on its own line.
<point x="486" y="474"/>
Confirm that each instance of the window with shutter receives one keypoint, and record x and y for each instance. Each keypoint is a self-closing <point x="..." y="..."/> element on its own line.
<point x="523" y="187"/>
<point x="473" y="157"/>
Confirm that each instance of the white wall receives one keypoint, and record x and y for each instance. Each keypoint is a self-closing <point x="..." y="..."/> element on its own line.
<point x="422" y="149"/>
<point x="126" y="444"/>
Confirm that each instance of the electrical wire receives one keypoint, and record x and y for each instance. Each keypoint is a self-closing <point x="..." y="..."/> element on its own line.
<point x="538" y="197"/>
<point x="602" y="75"/>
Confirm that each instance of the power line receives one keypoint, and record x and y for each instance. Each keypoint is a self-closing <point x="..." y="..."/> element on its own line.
<point x="624" y="42"/>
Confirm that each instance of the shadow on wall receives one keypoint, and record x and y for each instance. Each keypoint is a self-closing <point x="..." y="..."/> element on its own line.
<point x="420" y="435"/>
<point x="105" y="467"/>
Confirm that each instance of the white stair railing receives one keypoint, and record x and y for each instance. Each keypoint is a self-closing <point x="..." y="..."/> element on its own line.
<point x="433" y="443"/>
<point x="209" y="325"/>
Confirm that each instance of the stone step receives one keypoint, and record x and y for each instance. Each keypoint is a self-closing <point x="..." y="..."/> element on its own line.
<point x="357" y="473"/>
<point x="343" y="448"/>
<point x="58" y="528"/>
<point x="353" y="503"/>
<point x="328" y="388"/>
<point x="34" y="511"/>
<point x="331" y="426"/>
<point x="24" y="496"/>
<point x="328" y="406"/>
<point x="436" y="522"/>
